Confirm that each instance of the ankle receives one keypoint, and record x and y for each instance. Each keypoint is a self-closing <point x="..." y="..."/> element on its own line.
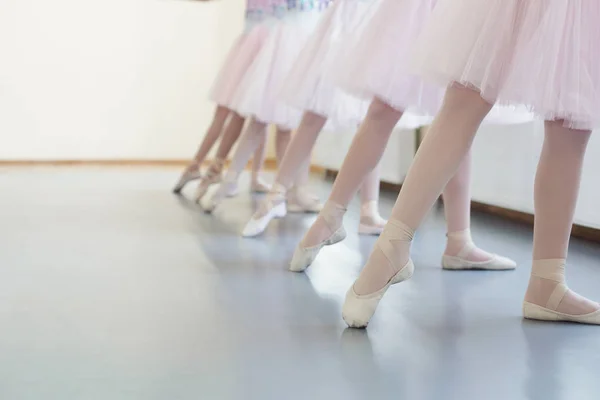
<point x="369" y="209"/>
<point x="278" y="189"/>
<point x="459" y="243"/>
<point x="328" y="221"/>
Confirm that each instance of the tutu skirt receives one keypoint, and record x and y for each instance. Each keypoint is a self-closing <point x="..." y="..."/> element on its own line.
<point x="240" y="57"/>
<point x="258" y="93"/>
<point x="374" y="61"/>
<point x="310" y="85"/>
<point x="538" y="53"/>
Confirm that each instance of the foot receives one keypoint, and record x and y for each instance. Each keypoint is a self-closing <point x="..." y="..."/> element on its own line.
<point x="371" y="222"/>
<point x="301" y="200"/>
<point x="548" y="297"/>
<point x="213" y="176"/>
<point x="210" y="204"/>
<point x="327" y="230"/>
<point x="271" y="207"/>
<point x="258" y="185"/>
<point x="462" y="254"/>
<point x="191" y="173"/>
<point x="388" y="264"/>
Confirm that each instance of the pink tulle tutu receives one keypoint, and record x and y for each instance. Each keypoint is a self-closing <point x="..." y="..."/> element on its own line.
<point x="374" y="61"/>
<point x="310" y="85"/>
<point x="538" y="53"/>
<point x="258" y="93"/>
<point x="240" y="57"/>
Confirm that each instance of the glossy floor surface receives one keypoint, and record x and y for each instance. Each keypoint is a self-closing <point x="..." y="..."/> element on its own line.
<point x="113" y="288"/>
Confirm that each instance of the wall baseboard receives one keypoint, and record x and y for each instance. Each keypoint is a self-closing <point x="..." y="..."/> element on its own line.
<point x="579" y="231"/>
<point x="270" y="163"/>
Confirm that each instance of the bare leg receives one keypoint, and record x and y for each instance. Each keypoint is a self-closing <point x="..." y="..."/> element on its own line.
<point x="213" y="133"/>
<point x="232" y="132"/>
<point x="255" y="133"/>
<point x="556" y="191"/>
<point x="439" y="157"/>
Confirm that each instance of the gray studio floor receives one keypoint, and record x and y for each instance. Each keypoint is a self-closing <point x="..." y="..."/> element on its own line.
<point x="112" y="288"/>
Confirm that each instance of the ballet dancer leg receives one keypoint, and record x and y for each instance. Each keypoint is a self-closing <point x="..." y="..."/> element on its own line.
<point x="371" y="222"/>
<point x="299" y="198"/>
<point x="363" y="157"/>
<point x="232" y="132"/>
<point x="439" y="157"/>
<point x="255" y="134"/>
<point x="257" y="184"/>
<point x="461" y="253"/>
<point x="556" y="191"/>
<point x="192" y="171"/>
<point x="297" y="157"/>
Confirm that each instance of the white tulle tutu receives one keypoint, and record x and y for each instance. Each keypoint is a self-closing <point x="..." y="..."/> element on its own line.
<point x="240" y="57"/>
<point x="538" y="53"/>
<point x="374" y="61"/>
<point x="310" y="86"/>
<point x="258" y="93"/>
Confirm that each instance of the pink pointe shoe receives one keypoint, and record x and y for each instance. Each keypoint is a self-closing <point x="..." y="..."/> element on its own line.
<point x="271" y="207"/>
<point x="258" y="185"/>
<point x="213" y="176"/>
<point x="191" y="173"/>
<point x="358" y="309"/>
<point x="464" y="259"/>
<point x="332" y="216"/>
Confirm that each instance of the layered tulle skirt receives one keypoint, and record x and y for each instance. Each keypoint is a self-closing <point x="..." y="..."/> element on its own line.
<point x="310" y="85"/>
<point x="374" y="60"/>
<point x="258" y="94"/>
<point x="240" y="57"/>
<point x="538" y="53"/>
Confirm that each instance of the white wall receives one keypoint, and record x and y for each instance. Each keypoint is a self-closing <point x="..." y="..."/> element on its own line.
<point x="109" y="79"/>
<point x="505" y="159"/>
<point x="332" y="147"/>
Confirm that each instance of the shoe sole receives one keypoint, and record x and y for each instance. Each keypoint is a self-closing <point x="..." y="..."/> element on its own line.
<point x="369" y="230"/>
<point x="538" y="313"/>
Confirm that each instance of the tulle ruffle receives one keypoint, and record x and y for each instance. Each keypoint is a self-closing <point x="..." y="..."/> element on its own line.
<point x="374" y="60"/>
<point x="310" y="85"/>
<point x="258" y="93"/>
<point x="240" y="57"/>
<point x="538" y="53"/>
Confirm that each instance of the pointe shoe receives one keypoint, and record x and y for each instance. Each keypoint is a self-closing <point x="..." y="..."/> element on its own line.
<point x="257" y="225"/>
<point x="549" y="311"/>
<point x="190" y="174"/>
<point x="209" y="205"/>
<point x="304" y="256"/>
<point x="301" y="201"/>
<point x="461" y="262"/>
<point x="259" y="186"/>
<point x="359" y="309"/>
<point x="271" y="207"/>
<point x="213" y="176"/>
<point x="539" y="313"/>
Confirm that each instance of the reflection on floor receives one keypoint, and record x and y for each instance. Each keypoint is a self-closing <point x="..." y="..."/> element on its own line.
<point x="112" y="288"/>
